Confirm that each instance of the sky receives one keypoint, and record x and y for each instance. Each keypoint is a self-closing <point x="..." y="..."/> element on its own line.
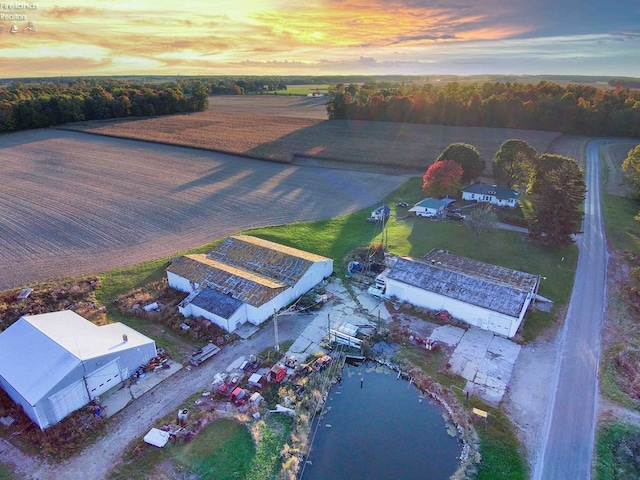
<point x="319" y="37"/>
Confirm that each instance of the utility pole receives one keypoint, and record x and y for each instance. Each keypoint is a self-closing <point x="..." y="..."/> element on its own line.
<point x="275" y="327"/>
<point x="329" y="327"/>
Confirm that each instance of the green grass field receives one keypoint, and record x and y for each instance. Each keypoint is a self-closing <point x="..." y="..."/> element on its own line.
<point x="617" y="452"/>
<point x="305" y="89"/>
<point x="223" y="450"/>
<point x="623" y="231"/>
<point x="502" y="455"/>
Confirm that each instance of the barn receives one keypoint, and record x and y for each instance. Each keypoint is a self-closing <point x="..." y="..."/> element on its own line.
<point x="245" y="279"/>
<point x="53" y="364"/>
<point x="487" y="296"/>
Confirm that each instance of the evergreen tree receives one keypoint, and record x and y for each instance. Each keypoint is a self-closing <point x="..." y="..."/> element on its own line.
<point x="556" y="207"/>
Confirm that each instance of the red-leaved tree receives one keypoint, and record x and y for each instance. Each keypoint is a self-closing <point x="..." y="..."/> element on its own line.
<point x="442" y="178"/>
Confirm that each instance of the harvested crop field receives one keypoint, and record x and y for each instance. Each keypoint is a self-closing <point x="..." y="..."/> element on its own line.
<point x="252" y="130"/>
<point x="76" y="204"/>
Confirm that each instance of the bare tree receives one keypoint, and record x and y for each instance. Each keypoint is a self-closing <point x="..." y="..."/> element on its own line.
<point x="481" y="219"/>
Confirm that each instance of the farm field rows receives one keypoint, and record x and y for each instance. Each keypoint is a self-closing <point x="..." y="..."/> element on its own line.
<point x="255" y="126"/>
<point x="76" y="204"/>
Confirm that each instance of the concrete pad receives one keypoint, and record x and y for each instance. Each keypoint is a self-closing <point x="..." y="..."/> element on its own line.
<point x="300" y="345"/>
<point x="151" y="379"/>
<point x="116" y="401"/>
<point x="481" y="378"/>
<point x="505" y="348"/>
<point x="447" y="334"/>
<point x="246" y="330"/>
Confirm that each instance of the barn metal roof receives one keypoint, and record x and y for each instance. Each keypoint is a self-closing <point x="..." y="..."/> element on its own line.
<point x="488" y="286"/>
<point x="215" y="302"/>
<point x="268" y="259"/>
<point x="37" y="351"/>
<point x="243" y="285"/>
<point x="248" y="269"/>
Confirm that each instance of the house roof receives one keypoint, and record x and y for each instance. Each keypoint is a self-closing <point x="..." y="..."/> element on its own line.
<point x="217" y="303"/>
<point x="501" y="193"/>
<point x="430" y="203"/>
<point x="488" y="286"/>
<point x="38" y="351"/>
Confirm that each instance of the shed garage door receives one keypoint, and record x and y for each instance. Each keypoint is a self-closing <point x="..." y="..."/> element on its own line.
<point x="499" y="325"/>
<point x="103" y="379"/>
<point x="69" y="400"/>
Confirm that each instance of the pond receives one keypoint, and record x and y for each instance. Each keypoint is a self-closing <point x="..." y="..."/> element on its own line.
<point x="378" y="427"/>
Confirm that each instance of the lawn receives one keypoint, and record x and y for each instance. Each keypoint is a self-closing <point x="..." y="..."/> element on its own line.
<point x="623" y="231"/>
<point x="305" y="89"/>
<point x="617" y="452"/>
<point x="415" y="237"/>
<point x="223" y="450"/>
<point x="5" y="473"/>
<point x="502" y="456"/>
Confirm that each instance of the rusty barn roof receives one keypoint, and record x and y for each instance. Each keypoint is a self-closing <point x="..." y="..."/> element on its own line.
<point x="488" y="286"/>
<point x="243" y="285"/>
<point x="268" y="259"/>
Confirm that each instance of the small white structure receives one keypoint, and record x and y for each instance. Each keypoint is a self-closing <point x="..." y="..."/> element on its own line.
<point x="380" y="214"/>
<point x="55" y="363"/>
<point x="487" y="296"/>
<point x="429" y="207"/>
<point x="245" y="279"/>
<point x="157" y="438"/>
<point x="500" y="196"/>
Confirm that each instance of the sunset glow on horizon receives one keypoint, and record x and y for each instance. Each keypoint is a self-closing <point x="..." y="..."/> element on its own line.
<point x="318" y="37"/>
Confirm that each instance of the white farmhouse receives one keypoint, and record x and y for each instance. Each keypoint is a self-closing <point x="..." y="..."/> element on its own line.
<point x="53" y="364"/>
<point x="245" y="279"/>
<point x="487" y="296"/>
<point x="500" y="196"/>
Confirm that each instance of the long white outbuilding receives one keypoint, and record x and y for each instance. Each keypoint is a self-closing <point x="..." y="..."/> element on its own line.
<point x="53" y="364"/>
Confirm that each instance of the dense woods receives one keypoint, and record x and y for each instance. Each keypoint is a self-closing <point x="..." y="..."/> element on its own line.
<point x="573" y="109"/>
<point x="27" y="105"/>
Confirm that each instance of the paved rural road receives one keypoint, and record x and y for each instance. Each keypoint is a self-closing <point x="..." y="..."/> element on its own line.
<point x="569" y="437"/>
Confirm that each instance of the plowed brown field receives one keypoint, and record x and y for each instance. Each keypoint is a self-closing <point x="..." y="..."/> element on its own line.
<point x="286" y="128"/>
<point x="75" y="204"/>
<point x="78" y="204"/>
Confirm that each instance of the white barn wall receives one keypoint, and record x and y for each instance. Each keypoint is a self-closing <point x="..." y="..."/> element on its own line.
<point x="471" y="314"/>
<point x="180" y="283"/>
<point x="237" y="319"/>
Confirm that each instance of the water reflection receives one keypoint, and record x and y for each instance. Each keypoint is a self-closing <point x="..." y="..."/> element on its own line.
<point x="378" y="427"/>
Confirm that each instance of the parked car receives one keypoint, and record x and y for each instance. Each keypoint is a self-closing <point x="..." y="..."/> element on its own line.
<point x="455" y="216"/>
<point x="403" y="204"/>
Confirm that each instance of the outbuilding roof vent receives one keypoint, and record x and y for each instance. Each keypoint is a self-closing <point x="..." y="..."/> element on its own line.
<point x="125" y="338"/>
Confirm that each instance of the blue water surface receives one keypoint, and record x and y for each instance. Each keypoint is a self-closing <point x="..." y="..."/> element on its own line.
<point x="378" y="427"/>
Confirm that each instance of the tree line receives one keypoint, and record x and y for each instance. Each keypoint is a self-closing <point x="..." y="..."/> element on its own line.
<point x="574" y="109"/>
<point x="555" y="184"/>
<point x="36" y="105"/>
